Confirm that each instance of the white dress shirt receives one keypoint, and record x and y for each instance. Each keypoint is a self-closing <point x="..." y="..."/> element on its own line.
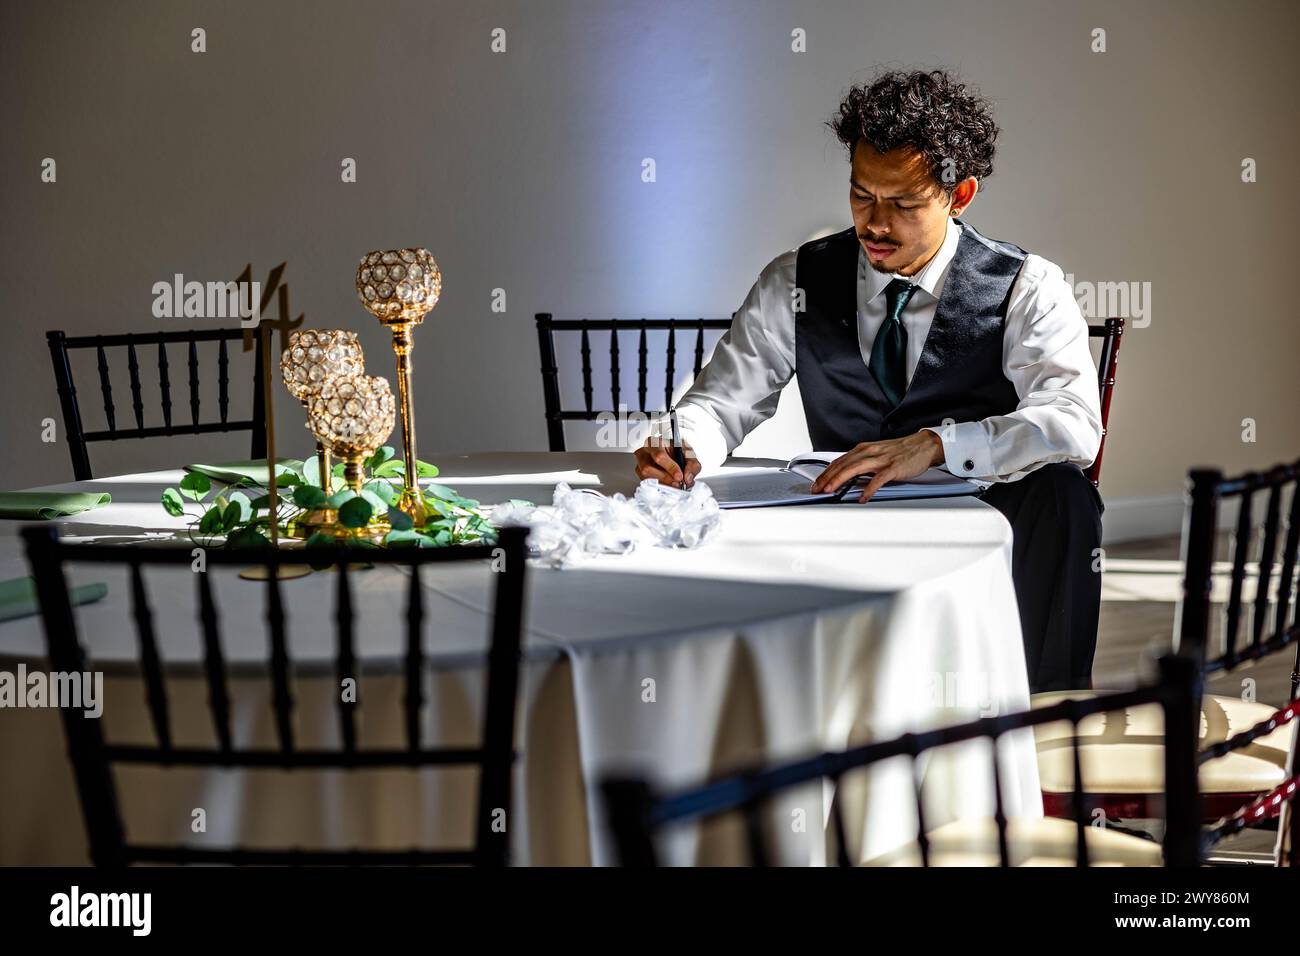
<point x="1045" y="356"/>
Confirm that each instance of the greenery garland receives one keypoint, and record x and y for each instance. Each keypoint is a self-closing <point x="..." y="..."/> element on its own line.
<point x="240" y="512"/>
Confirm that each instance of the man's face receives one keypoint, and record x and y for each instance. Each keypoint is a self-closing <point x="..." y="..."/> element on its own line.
<point x="899" y="212"/>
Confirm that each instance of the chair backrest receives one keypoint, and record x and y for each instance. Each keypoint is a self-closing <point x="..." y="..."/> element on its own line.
<point x="188" y="341"/>
<point x="557" y="415"/>
<point x="636" y="813"/>
<point x="1273" y="627"/>
<point x="93" y="757"/>
<point x="1110" y="334"/>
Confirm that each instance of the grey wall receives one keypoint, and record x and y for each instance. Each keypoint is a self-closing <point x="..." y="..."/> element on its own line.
<point x="522" y="171"/>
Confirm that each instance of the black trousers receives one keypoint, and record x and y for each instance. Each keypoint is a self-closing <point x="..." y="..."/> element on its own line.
<point x="1055" y="517"/>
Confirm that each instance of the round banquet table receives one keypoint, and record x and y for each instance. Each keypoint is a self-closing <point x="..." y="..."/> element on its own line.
<point x="791" y="630"/>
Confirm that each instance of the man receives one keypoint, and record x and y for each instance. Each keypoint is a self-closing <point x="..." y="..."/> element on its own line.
<point x="918" y="342"/>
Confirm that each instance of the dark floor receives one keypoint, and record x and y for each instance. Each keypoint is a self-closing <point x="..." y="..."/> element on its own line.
<point x="1132" y="633"/>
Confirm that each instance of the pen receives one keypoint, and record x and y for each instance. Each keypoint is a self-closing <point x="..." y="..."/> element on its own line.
<point x="679" y="455"/>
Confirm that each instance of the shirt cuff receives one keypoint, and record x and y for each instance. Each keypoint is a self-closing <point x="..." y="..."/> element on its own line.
<point x="966" y="451"/>
<point x="699" y="430"/>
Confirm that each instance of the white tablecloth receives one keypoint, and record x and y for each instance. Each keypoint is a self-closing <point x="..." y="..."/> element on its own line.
<point x="793" y="630"/>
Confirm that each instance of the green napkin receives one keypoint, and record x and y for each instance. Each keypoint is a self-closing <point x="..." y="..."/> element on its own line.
<point x="49" y="504"/>
<point x="18" y="597"/>
<point x="231" y="472"/>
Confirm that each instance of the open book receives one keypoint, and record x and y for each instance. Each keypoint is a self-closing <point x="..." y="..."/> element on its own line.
<point x="763" y="487"/>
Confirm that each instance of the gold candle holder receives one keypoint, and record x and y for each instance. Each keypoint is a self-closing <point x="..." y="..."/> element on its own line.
<point x="314" y="357"/>
<point x="351" y="417"/>
<point x="399" y="287"/>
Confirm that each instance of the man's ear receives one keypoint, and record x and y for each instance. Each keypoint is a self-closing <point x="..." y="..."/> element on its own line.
<point x="963" y="193"/>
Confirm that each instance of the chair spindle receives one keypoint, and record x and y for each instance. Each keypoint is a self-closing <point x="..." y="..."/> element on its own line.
<point x="164" y="386"/>
<point x="346" y="668"/>
<point x="150" y="661"/>
<point x="106" y="389"/>
<point x="133" y="370"/>
<point x="414" y="698"/>
<point x="214" y="664"/>
<point x="281" y="693"/>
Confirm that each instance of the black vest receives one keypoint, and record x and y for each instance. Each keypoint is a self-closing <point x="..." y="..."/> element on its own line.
<point x="959" y="375"/>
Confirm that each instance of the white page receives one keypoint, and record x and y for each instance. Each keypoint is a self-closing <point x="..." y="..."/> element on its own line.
<point x="932" y="482"/>
<point x="769" y="486"/>
<point x="759" y="487"/>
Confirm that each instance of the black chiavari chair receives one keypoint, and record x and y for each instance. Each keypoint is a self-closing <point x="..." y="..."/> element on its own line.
<point x="637" y="815"/>
<point x="133" y="343"/>
<point x="1207" y="488"/>
<point x="557" y="415"/>
<point x="93" y="758"/>
<point x="1122" y="769"/>
<point x="1273" y="625"/>
<point x="1110" y="334"/>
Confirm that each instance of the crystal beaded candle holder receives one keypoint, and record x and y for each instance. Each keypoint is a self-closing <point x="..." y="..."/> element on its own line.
<point x="352" y="417"/>
<point x="315" y="356"/>
<point x="398" y="287"/>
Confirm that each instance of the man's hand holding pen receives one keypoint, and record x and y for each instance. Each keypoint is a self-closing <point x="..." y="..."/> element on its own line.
<point x="655" y="459"/>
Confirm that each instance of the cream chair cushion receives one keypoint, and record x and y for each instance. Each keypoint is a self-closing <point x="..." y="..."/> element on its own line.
<point x="1046" y="841"/>
<point x="1123" y="751"/>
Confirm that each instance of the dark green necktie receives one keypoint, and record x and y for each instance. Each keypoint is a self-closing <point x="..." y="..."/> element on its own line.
<point x="889" y="351"/>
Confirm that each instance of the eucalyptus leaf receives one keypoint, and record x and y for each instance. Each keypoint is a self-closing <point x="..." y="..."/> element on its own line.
<point x="340" y="497"/>
<point x="384" y="491"/>
<point x="396" y="468"/>
<point x="212" y="521"/>
<point x="439" y="491"/>
<point x="400" y="520"/>
<point x="247" y="538"/>
<point x="408" y="538"/>
<point x="425" y="470"/>
<point x="195" y="486"/>
<point x="173" y="503"/>
<point x="311" y="472"/>
<point x="230" y="517"/>
<point x="381" y="455"/>
<point x="377" y="504"/>
<point x="240" y="501"/>
<point x="308" y="496"/>
<point x="355" y="513"/>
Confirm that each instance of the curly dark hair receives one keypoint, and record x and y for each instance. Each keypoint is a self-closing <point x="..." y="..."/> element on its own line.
<point x="931" y="111"/>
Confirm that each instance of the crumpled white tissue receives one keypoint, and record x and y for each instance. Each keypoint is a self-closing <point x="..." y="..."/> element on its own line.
<point x="584" y="521"/>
